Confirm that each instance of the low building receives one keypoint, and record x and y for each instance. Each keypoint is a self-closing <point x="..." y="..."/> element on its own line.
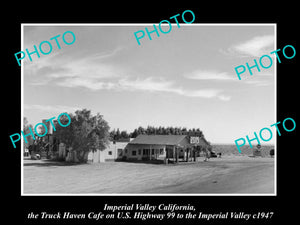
<point x="168" y="148"/>
<point x="114" y="152"/>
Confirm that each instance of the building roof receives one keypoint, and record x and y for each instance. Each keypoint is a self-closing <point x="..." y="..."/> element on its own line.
<point x="158" y="139"/>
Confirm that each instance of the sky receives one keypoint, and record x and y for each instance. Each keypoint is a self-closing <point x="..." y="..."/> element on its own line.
<point x="185" y="78"/>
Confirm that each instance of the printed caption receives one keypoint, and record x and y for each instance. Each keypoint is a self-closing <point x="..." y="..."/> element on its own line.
<point x="151" y="212"/>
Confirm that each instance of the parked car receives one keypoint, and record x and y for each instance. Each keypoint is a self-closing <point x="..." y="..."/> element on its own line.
<point x="213" y="154"/>
<point x="35" y="156"/>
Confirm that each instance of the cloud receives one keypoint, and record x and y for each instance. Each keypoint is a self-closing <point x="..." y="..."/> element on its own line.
<point x="261" y="79"/>
<point x="161" y="85"/>
<point x="73" y="73"/>
<point x="46" y="70"/>
<point x="108" y="54"/>
<point x="51" y="108"/>
<point x="204" y="93"/>
<point x="208" y="75"/>
<point x="92" y="73"/>
<point x="149" y="84"/>
<point x="146" y="84"/>
<point x="224" y="97"/>
<point x="254" y="47"/>
<point x="90" y="83"/>
<point x="259" y="83"/>
<point x="78" y="68"/>
<point x="268" y="74"/>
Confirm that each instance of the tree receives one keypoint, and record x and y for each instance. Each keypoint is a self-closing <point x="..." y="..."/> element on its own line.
<point x="134" y="134"/>
<point x="172" y="130"/>
<point x="25" y="122"/>
<point x="118" y="134"/>
<point x="141" y="130"/>
<point x="112" y="135"/>
<point x="84" y="134"/>
<point x="26" y="127"/>
<point x="160" y="130"/>
<point x="184" y="131"/>
<point x="124" y="134"/>
<point x="151" y="130"/>
<point x="199" y="132"/>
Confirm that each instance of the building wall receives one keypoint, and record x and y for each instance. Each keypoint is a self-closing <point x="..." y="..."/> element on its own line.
<point x="171" y="152"/>
<point x="142" y="152"/>
<point x="113" y="152"/>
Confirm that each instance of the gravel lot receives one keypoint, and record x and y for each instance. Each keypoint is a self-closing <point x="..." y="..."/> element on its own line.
<point x="228" y="175"/>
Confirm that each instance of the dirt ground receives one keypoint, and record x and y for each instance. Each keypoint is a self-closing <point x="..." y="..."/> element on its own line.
<point x="226" y="175"/>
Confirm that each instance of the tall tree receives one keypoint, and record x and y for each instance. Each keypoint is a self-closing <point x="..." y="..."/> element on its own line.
<point x="112" y="135"/>
<point x="141" y="130"/>
<point x="118" y="134"/>
<point x="134" y="134"/>
<point x="84" y="134"/>
<point x="26" y="126"/>
<point x="124" y="134"/>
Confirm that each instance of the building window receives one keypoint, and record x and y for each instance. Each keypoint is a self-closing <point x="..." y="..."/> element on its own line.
<point x="126" y="150"/>
<point x="133" y="152"/>
<point x="161" y="151"/>
<point x="139" y="151"/>
<point x="109" y="152"/>
<point x="152" y="152"/>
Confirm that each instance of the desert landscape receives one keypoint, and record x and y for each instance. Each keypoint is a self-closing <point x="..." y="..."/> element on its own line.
<point x="228" y="149"/>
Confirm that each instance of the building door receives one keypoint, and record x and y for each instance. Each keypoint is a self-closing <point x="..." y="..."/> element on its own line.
<point x="120" y="153"/>
<point x="169" y="151"/>
<point x="146" y="154"/>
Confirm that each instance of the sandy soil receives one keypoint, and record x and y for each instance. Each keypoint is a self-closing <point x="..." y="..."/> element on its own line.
<point x="231" y="174"/>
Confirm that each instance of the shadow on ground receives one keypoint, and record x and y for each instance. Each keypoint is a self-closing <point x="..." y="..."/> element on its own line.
<point x="47" y="163"/>
<point x="142" y="161"/>
<point x="157" y="161"/>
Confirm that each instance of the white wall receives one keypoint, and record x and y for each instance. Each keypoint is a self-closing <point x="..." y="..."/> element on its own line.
<point x="108" y="154"/>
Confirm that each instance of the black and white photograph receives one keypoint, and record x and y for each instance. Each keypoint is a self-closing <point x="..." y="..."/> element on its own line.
<point x="145" y="113"/>
<point x="153" y="115"/>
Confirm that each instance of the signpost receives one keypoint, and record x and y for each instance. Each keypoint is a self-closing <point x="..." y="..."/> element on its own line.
<point x="194" y="140"/>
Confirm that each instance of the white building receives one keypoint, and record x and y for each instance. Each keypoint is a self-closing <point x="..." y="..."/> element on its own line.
<point x="115" y="151"/>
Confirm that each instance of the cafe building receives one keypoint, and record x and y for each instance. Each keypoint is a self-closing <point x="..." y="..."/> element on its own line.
<point x="168" y="148"/>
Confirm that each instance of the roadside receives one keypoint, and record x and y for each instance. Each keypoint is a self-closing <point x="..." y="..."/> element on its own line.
<point x="229" y="174"/>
